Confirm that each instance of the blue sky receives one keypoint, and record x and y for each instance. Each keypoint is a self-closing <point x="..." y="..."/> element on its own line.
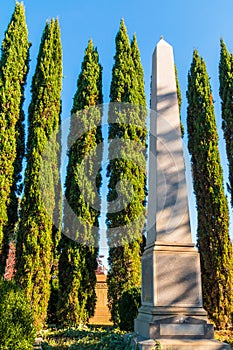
<point x="185" y="25"/>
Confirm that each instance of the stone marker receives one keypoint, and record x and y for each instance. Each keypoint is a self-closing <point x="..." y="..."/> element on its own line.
<point x="102" y="314"/>
<point x="171" y="310"/>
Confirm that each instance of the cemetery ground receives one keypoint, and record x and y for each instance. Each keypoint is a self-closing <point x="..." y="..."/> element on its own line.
<point x="85" y="337"/>
<point x="100" y="338"/>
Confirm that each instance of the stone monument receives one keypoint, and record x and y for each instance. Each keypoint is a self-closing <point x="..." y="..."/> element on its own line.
<point x="171" y="310"/>
<point x="102" y="314"/>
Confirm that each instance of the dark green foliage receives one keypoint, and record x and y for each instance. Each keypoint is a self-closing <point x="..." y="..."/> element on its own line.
<point x="139" y="73"/>
<point x="179" y="97"/>
<point x="79" y="243"/>
<point x="213" y="233"/>
<point x="226" y="94"/>
<point x="13" y="72"/>
<point x="126" y="170"/>
<point x="16" y="322"/>
<point x="125" y="272"/>
<point x="128" y="308"/>
<point x="77" y="281"/>
<point x="36" y="240"/>
<point x="54" y="297"/>
<point x="89" y="91"/>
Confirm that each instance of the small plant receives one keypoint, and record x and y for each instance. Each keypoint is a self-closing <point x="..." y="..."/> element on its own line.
<point x="158" y="345"/>
<point x="16" y="322"/>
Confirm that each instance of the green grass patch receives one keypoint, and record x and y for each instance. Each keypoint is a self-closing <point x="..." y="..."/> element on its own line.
<point x="83" y="337"/>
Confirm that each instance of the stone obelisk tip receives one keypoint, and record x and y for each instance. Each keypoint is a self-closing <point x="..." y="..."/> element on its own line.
<point x="167" y="197"/>
<point x="162" y="42"/>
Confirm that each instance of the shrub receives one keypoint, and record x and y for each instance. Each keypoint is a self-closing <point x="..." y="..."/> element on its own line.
<point x="128" y="308"/>
<point x="16" y="322"/>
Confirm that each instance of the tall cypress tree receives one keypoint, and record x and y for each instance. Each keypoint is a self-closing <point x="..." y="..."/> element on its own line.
<point x="13" y="72"/>
<point x="179" y="97"/>
<point x="79" y="242"/>
<point x="139" y="73"/>
<point x="127" y="122"/>
<point x="213" y="219"/>
<point x="35" y="242"/>
<point x="226" y="94"/>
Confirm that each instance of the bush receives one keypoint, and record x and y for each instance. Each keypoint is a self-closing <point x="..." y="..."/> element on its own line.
<point x="128" y="308"/>
<point x="16" y="322"/>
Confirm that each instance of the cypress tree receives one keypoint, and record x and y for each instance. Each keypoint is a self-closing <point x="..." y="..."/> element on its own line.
<point x="35" y="241"/>
<point x="179" y="97"/>
<point x="127" y="122"/>
<point x="79" y="242"/>
<point x="139" y="73"/>
<point x="213" y="219"/>
<point x="226" y="94"/>
<point x="13" y="72"/>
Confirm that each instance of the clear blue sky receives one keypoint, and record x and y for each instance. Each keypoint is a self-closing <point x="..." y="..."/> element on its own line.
<point x="185" y="25"/>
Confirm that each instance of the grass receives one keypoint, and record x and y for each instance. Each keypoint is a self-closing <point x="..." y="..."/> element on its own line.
<point x="83" y="337"/>
<point x="99" y="338"/>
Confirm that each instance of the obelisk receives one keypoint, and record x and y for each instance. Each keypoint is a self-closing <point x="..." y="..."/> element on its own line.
<point x="171" y="310"/>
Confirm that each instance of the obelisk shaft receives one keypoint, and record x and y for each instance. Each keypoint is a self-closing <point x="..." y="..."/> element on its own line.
<point x="168" y="214"/>
<point x="171" y="310"/>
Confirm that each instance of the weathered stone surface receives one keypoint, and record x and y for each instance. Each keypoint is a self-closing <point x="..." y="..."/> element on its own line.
<point x="171" y="277"/>
<point x="171" y="310"/>
<point x="178" y="279"/>
<point x="171" y="283"/>
<point x="102" y="314"/>
<point x="147" y="283"/>
<point x="181" y="329"/>
<point x="183" y="344"/>
<point x="167" y="197"/>
<point x="138" y="343"/>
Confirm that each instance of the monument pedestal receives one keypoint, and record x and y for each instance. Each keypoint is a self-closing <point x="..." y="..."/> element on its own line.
<point x="171" y="310"/>
<point x="102" y="314"/>
<point x="171" y="294"/>
<point x="182" y="344"/>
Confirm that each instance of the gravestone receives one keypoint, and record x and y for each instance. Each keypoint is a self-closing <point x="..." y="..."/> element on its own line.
<point x="171" y="310"/>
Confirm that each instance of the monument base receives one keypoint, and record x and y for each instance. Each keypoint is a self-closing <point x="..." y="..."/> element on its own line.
<point x="102" y="314"/>
<point x="180" y="344"/>
<point x="173" y="327"/>
<point x="172" y="311"/>
<point x="171" y="294"/>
